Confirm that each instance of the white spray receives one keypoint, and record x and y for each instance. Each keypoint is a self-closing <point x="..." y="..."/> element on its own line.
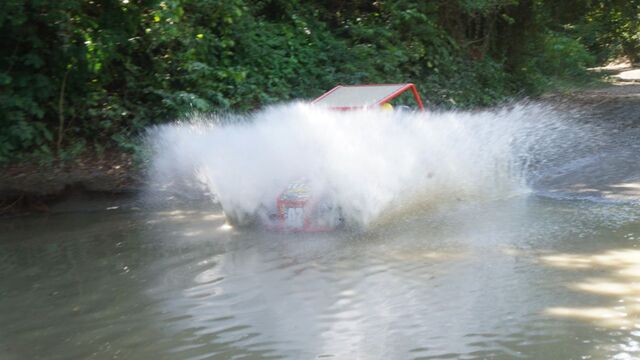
<point x="370" y="162"/>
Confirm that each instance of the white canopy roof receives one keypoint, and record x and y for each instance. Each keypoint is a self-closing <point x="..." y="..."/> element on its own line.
<point x="343" y="96"/>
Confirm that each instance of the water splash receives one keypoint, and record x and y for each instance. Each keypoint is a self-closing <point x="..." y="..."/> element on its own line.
<point x="370" y="162"/>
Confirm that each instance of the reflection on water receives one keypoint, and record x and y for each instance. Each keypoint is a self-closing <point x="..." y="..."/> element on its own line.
<point x="615" y="279"/>
<point x="524" y="277"/>
<point x="618" y="280"/>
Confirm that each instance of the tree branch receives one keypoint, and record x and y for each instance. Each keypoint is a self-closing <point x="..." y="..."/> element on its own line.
<point x="61" y="112"/>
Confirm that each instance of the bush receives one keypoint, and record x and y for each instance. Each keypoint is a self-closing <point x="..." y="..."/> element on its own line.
<point x="75" y="75"/>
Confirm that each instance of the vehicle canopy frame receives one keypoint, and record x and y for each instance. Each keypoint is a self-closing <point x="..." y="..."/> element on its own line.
<point x="355" y="97"/>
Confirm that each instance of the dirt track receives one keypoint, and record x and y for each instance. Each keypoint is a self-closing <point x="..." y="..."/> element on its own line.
<point x="614" y="174"/>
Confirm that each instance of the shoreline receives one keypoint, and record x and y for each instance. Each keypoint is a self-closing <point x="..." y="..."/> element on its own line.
<point x="33" y="188"/>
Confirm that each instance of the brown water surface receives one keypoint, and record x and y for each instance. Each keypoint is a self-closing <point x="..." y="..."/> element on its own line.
<point x="527" y="277"/>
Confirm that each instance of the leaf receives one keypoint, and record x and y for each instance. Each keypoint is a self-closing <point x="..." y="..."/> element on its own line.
<point x="33" y="60"/>
<point x="5" y="79"/>
<point x="47" y="134"/>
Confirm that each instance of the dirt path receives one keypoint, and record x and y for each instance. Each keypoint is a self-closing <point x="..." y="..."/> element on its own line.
<point x="614" y="173"/>
<point x="617" y="103"/>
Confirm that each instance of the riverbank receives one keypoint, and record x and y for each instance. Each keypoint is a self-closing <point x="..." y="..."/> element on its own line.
<point x="27" y="188"/>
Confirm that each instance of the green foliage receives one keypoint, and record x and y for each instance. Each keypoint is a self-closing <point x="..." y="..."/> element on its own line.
<point x="78" y="76"/>
<point x="611" y="29"/>
<point x="559" y="60"/>
<point x="563" y="56"/>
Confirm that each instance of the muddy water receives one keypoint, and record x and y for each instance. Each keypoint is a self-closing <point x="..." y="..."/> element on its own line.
<point x="528" y="277"/>
<point x="553" y="273"/>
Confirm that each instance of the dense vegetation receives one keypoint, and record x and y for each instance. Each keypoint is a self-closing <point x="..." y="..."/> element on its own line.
<point x="84" y="76"/>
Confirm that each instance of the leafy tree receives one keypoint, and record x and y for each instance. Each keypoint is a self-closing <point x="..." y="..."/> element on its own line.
<point x="77" y="75"/>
